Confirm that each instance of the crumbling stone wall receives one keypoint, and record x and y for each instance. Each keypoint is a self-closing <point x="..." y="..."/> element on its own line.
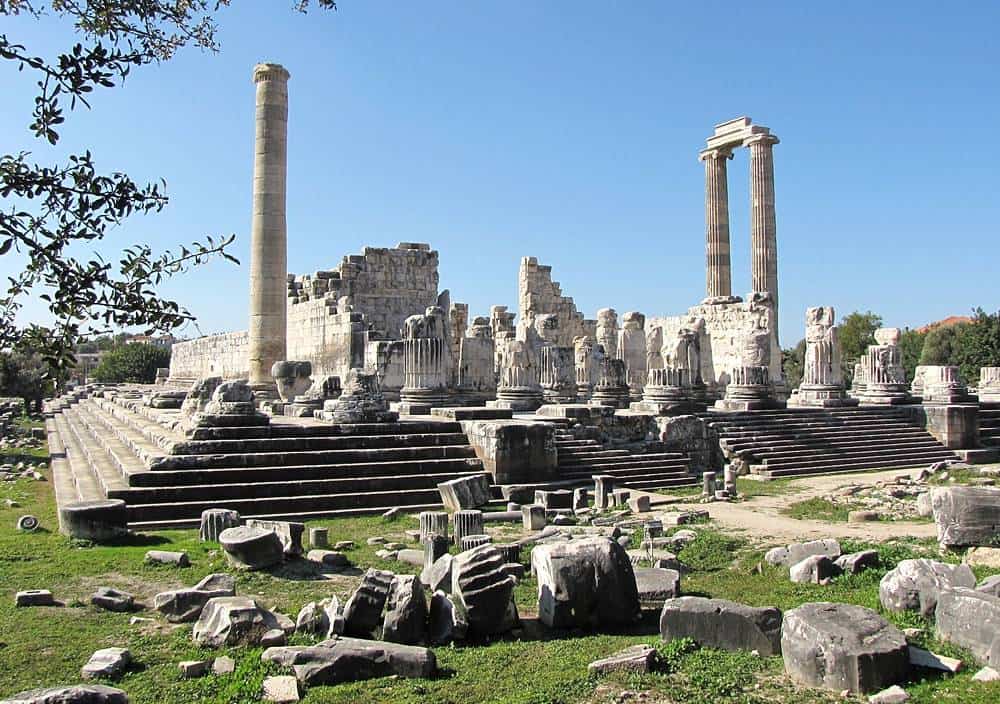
<point x="333" y="342"/>
<point x="691" y="434"/>
<point x="226" y="355"/>
<point x="538" y="294"/>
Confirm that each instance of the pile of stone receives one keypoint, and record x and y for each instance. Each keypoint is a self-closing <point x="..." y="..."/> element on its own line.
<point x="893" y="500"/>
<point x="819" y="561"/>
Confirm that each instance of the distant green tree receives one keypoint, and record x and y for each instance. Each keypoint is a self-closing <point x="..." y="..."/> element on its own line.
<point x="911" y="345"/>
<point x="941" y="344"/>
<point x="793" y="363"/>
<point x="25" y="375"/>
<point x="857" y="332"/>
<point x="132" y="363"/>
<point x="978" y="345"/>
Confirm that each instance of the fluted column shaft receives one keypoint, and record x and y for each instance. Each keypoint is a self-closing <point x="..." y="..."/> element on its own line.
<point x="268" y="233"/>
<point x="718" y="267"/>
<point x="763" y="228"/>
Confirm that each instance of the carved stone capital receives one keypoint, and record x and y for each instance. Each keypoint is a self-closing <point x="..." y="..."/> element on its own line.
<point x="767" y="139"/>
<point x="270" y="72"/>
<point x="714" y="154"/>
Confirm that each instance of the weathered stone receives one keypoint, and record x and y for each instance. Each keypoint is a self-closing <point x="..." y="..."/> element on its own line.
<point x="328" y="558"/>
<point x="924" y="507"/>
<point x="474" y="541"/>
<point x="73" y="694"/>
<point x="312" y="618"/>
<point x="983" y="557"/>
<point x="467" y="522"/>
<point x="34" y="597"/>
<point x="639" y="504"/>
<point x="96" y="521"/>
<point x="216" y="520"/>
<point x="554" y="500"/>
<point x="862" y="516"/>
<point x="484" y="590"/>
<point x="915" y="585"/>
<point x="585" y="582"/>
<point x="581" y="499"/>
<point x="990" y="585"/>
<point x="796" y="552"/>
<point x="814" y="569"/>
<point x="446" y="622"/>
<point x="319" y="538"/>
<point x="289" y="532"/>
<point x="717" y="623"/>
<point x="233" y="620"/>
<point x="111" y="599"/>
<point x="434" y="547"/>
<point x="191" y="669"/>
<point x="405" y="611"/>
<point x="465" y="492"/>
<point x="109" y="663"/>
<point x="223" y="665"/>
<point x="251" y="548"/>
<point x="970" y="619"/>
<point x="282" y="689"/>
<point x="350" y="659"/>
<point x="842" y="646"/>
<point x="925" y="658"/>
<point x="986" y="674"/>
<point x="342" y="545"/>
<point x="857" y="561"/>
<point x="655" y="585"/>
<point x="635" y="658"/>
<point x="438" y="576"/>
<point x="166" y="557"/>
<point x="891" y="695"/>
<point x="533" y="517"/>
<point x="433" y="523"/>
<point x="966" y="515"/>
<point x="183" y="605"/>
<point x="363" y="610"/>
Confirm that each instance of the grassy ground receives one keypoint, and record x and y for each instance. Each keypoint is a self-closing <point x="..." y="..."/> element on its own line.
<point x="821" y="509"/>
<point x="47" y="646"/>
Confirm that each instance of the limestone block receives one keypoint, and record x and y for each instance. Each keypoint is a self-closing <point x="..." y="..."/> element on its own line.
<point x="97" y="521"/>
<point x="796" y="552"/>
<point x="484" y="591"/>
<point x="216" y="520"/>
<point x="363" y="610"/>
<point x="971" y="619"/>
<point x="405" y="611"/>
<point x="184" y="605"/>
<point x="73" y="694"/>
<point x="514" y="451"/>
<point x="108" y="663"/>
<point x="966" y="515"/>
<point x="288" y="532"/>
<point x="717" y="623"/>
<point x="465" y="492"/>
<point x="251" y="548"/>
<point x="916" y="585"/>
<point x="351" y="659"/>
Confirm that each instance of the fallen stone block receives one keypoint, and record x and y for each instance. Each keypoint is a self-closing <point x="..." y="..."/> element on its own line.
<point x="555" y="500"/>
<point x="192" y="669"/>
<point x="638" y="504"/>
<point x="857" y="561"/>
<point x="984" y="557"/>
<point x="109" y="663"/>
<point x="966" y="515"/>
<point x="319" y="538"/>
<point x="216" y="520"/>
<point x="251" y="548"/>
<point x="328" y="558"/>
<point x="363" y="610"/>
<point x="465" y="492"/>
<point x="925" y="658"/>
<point x="891" y="695"/>
<point x="636" y="658"/>
<point x="183" y="605"/>
<point x="718" y="623"/>
<point x="438" y="575"/>
<point x="282" y="689"/>
<point x="73" y="694"/>
<point x="797" y="552"/>
<point x="915" y="585"/>
<point x="288" y="532"/>
<point x="405" y="611"/>
<point x="484" y="591"/>
<point x="815" y="569"/>
<point x="34" y="597"/>
<point x="351" y="659"/>
<point x="842" y="647"/>
<point x="97" y="521"/>
<point x="970" y="619"/>
<point x="166" y="557"/>
<point x="533" y="516"/>
<point x="112" y="600"/>
<point x="986" y="674"/>
<point x="223" y="665"/>
<point x="273" y="638"/>
<point x="446" y="622"/>
<point x="588" y="582"/>
<point x="656" y="585"/>
<point x="233" y="620"/>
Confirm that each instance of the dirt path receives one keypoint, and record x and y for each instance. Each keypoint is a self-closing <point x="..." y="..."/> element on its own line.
<point x="761" y="518"/>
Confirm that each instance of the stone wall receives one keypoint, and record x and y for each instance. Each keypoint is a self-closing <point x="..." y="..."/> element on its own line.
<point x="334" y="342"/>
<point x="727" y="331"/>
<point x="538" y="294"/>
<point x="225" y="355"/>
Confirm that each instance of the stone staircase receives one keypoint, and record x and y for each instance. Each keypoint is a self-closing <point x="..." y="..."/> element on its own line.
<point x="581" y="455"/>
<point x="989" y="424"/>
<point x="802" y="442"/>
<point x="117" y="448"/>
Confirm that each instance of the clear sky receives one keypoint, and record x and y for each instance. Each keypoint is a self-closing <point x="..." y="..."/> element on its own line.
<point x="570" y="131"/>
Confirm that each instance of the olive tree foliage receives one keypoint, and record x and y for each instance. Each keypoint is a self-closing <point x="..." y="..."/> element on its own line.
<point x="133" y="362"/>
<point x="793" y="362"/>
<point x="46" y="209"/>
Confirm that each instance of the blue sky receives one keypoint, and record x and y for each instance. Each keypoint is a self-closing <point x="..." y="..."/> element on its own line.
<point x="570" y="131"/>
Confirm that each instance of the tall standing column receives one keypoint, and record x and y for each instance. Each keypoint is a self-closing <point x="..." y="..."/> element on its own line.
<point x="718" y="268"/>
<point x="268" y="233"/>
<point x="763" y="228"/>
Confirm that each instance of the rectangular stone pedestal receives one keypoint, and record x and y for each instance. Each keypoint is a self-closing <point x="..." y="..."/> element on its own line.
<point x="409" y="408"/>
<point x="574" y="411"/>
<point x="516" y="406"/>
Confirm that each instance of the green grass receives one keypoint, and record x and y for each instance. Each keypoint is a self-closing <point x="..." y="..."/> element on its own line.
<point x="820" y="509"/>
<point x="47" y="646"/>
<point x="749" y="488"/>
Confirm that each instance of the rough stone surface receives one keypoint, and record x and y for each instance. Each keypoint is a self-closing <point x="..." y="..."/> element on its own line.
<point x="814" y="569"/>
<point x="183" y="605"/>
<point x="533" y="517"/>
<point x="288" y="532"/>
<point x="251" y="548"/>
<point x="282" y="689"/>
<point x="796" y="552"/>
<point x="446" y="622"/>
<point x="191" y="669"/>
<point x="971" y="619"/>
<point x="73" y="694"/>
<point x="109" y="663"/>
<point x="842" y="647"/>
<point x="111" y="599"/>
<point x="233" y="620"/>
<point x="438" y="575"/>
<point x="718" y="623"/>
<point x="890" y="695"/>
<point x="857" y="561"/>
<point x="96" y="521"/>
<point x="216" y="520"/>
<point x="223" y="665"/>
<point x="585" y="582"/>
<point x="915" y="585"/>
<point x="983" y="557"/>
<point x="990" y="585"/>
<point x="363" y="610"/>
<point x="34" y="597"/>
<point x="635" y="658"/>
<point x="328" y="558"/>
<point x="966" y="515"/>
<point x="405" y="611"/>
<point x="986" y="674"/>
<point x="166" y="557"/>
<point x="465" y="492"/>
<point x="656" y="584"/>
<point x="483" y="590"/>
<point x="350" y="659"/>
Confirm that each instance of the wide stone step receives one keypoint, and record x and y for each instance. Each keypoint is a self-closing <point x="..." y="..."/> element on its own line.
<point x="242" y="475"/>
<point x="740" y="444"/>
<point x="300" y="444"/>
<point x="140" y="435"/>
<point x="843" y="450"/>
<point x="102" y="468"/>
<point x="916" y="457"/>
<point x="756" y="431"/>
<point x="318" y="457"/>
<point x="654" y="471"/>
<point x="121" y="455"/>
<point x="62" y="474"/>
<point x="882" y="464"/>
<point x="637" y="460"/>
<point x="283" y="429"/>
<point x="129" y="416"/>
<point x="84" y="480"/>
<point x="593" y="453"/>
<point x="284" y="489"/>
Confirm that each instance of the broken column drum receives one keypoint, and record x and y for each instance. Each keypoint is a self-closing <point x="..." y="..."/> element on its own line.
<point x="587" y="359"/>
<point x="607" y="331"/>
<point x="477" y="359"/>
<point x="519" y="387"/>
<point x="558" y="374"/>
<point x="667" y="385"/>
<point x="611" y="389"/>
<point x="426" y="359"/>
<point x="632" y="351"/>
<point x="268" y="233"/>
<point x="885" y="377"/>
<point x="944" y="385"/>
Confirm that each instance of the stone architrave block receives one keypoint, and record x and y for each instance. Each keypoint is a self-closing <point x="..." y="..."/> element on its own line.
<point x="343" y="659"/>
<point x="797" y="552"/>
<point x="843" y="647"/>
<point x="718" y="623"/>
<point x="967" y="515"/>
<point x="465" y="492"/>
